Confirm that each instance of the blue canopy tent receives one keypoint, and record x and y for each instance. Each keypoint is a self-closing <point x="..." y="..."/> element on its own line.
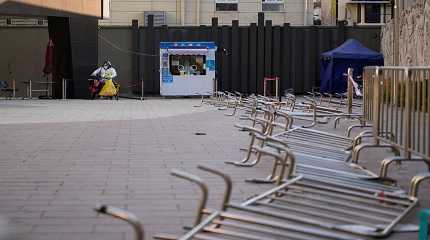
<point x="334" y="63"/>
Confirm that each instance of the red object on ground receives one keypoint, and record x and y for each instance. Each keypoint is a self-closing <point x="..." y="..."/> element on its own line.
<point x="49" y="58"/>
<point x="381" y="195"/>
<point x="266" y="80"/>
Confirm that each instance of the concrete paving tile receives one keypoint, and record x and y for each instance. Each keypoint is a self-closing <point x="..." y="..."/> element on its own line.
<point x="39" y="236"/>
<point x="56" y="167"/>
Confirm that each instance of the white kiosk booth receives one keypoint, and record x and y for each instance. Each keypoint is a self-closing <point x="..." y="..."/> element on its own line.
<point x="187" y="68"/>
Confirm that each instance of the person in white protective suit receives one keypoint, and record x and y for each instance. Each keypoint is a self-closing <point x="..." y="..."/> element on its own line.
<point x="102" y="73"/>
<point x="105" y="72"/>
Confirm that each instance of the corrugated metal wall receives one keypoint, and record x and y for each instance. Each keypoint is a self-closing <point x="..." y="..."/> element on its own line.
<point x="248" y="54"/>
<point x="251" y="52"/>
<point x="117" y="49"/>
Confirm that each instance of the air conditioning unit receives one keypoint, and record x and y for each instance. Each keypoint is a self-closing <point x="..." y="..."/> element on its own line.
<point x="159" y="17"/>
<point x="17" y="21"/>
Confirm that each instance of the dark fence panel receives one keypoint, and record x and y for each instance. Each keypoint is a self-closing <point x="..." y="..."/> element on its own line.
<point x="235" y="56"/>
<point x="247" y="54"/>
<point x="260" y="52"/>
<point x="244" y="59"/>
<point x="124" y="62"/>
<point x="253" y="58"/>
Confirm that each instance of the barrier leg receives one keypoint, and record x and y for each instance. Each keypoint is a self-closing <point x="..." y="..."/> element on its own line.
<point x="141" y="90"/>
<point x="13" y="88"/>
<point x="248" y="154"/>
<point x="30" y="91"/>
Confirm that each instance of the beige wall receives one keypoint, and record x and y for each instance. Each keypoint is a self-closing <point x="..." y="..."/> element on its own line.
<point x="123" y="11"/>
<point x="346" y="12"/>
<point x="86" y="7"/>
<point x="24" y="50"/>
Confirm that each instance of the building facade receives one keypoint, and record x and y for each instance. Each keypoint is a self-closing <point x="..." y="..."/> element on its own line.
<point x="409" y="47"/>
<point x="200" y="12"/>
<point x="72" y="29"/>
<point x="360" y="12"/>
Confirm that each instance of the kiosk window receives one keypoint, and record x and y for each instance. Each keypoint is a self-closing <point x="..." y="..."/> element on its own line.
<point x="187" y="65"/>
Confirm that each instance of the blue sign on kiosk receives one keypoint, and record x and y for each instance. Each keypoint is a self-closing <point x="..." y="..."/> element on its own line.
<point x="187" y="68"/>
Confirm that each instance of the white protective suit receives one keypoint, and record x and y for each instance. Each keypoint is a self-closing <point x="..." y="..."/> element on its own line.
<point x="105" y="74"/>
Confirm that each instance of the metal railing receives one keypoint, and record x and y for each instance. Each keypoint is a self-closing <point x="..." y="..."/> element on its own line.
<point x="299" y="208"/>
<point x="397" y="100"/>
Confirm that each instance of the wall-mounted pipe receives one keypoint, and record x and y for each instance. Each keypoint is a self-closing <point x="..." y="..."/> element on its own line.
<point x="183" y="12"/>
<point x="305" y="15"/>
<point x="198" y="13"/>
<point x="178" y="11"/>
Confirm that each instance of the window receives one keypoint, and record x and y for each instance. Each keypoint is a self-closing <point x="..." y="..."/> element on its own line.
<point x="272" y="5"/>
<point x="226" y="6"/>
<point x="184" y="65"/>
<point x="372" y="13"/>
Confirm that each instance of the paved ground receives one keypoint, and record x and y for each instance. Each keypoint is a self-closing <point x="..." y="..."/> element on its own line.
<point x="58" y="159"/>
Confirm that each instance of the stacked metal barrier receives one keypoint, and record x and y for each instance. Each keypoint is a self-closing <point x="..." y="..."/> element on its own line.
<point x="318" y="193"/>
<point x="398" y="102"/>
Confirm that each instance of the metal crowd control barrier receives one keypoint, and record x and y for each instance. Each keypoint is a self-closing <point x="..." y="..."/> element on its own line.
<point x="300" y="208"/>
<point x="64" y="88"/>
<point x="316" y="161"/>
<point x="397" y="100"/>
<point x="266" y="80"/>
<point x="350" y="100"/>
<point x="345" y="108"/>
<point x="30" y="87"/>
<point x="340" y="207"/>
<point x="222" y="100"/>
<point x="125" y="216"/>
<point x="317" y="143"/>
<point x="302" y="141"/>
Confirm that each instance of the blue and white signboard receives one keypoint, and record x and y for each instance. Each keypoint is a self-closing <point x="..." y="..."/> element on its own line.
<point x="187" y="68"/>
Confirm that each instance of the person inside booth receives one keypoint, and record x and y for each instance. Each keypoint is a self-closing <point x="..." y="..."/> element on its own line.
<point x="186" y="65"/>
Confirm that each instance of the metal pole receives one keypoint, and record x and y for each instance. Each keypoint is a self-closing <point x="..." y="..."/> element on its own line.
<point x="376" y="105"/>
<point x="141" y="90"/>
<point x="183" y="12"/>
<point x="215" y="88"/>
<point x="197" y="13"/>
<point x="305" y="14"/>
<point x="216" y="85"/>
<point x="264" y="86"/>
<point x="30" y="92"/>
<point x="408" y="112"/>
<point x="64" y="89"/>
<point x="350" y="90"/>
<point x="13" y="88"/>
<point x="47" y="86"/>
